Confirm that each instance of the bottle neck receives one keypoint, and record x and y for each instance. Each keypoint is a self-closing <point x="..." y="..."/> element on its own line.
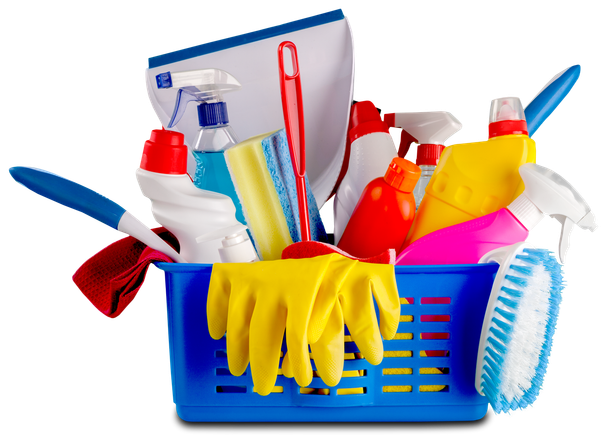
<point x="525" y="212"/>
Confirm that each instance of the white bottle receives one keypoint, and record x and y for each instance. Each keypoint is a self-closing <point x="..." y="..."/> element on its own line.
<point x="199" y="219"/>
<point x="372" y="150"/>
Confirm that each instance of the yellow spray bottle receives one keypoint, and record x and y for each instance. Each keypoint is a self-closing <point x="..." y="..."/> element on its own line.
<point x="475" y="179"/>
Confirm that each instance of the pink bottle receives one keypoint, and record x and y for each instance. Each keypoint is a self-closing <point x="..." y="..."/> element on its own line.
<point x="546" y="193"/>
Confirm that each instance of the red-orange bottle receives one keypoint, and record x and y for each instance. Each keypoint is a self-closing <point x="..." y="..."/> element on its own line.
<point x="384" y="214"/>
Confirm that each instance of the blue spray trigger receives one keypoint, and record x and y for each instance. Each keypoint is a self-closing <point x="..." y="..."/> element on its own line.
<point x="164" y="80"/>
<point x="183" y="97"/>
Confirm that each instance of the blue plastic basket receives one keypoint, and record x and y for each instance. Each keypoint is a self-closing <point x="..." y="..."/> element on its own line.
<point x="441" y="316"/>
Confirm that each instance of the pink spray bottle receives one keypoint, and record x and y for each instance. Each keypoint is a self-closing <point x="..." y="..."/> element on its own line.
<point x="546" y="193"/>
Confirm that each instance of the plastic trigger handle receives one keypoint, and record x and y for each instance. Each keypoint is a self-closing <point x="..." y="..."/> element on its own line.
<point x="183" y="97"/>
<point x="564" y="239"/>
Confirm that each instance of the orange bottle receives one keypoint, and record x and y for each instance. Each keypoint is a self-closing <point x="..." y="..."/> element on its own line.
<point x="384" y="213"/>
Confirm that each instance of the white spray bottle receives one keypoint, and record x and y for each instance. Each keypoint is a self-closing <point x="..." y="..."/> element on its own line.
<point x="372" y="151"/>
<point x="546" y="194"/>
<point x="215" y="135"/>
<point x="202" y="221"/>
<point x="431" y="130"/>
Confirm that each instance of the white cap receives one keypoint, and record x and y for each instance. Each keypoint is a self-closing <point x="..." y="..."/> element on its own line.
<point x="547" y="193"/>
<point x="236" y="244"/>
<point x="507" y="108"/>
<point x="237" y="248"/>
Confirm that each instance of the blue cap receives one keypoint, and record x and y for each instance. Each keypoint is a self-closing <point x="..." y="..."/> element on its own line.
<point x="213" y="114"/>
<point x="164" y="80"/>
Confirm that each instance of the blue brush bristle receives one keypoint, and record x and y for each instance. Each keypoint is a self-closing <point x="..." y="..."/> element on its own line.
<point x="502" y="329"/>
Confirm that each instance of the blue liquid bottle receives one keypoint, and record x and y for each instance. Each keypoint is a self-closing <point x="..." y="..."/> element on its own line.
<point x="215" y="135"/>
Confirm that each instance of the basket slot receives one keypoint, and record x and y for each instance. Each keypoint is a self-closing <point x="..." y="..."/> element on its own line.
<point x="436" y="300"/>
<point x="435" y="318"/>
<point x="434" y="354"/>
<point x="435" y="336"/>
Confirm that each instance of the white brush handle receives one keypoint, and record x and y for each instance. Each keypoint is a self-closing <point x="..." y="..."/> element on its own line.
<point x="132" y="226"/>
<point x="503" y="256"/>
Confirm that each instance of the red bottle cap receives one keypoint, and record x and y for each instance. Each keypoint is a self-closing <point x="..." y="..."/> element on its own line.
<point x="429" y="154"/>
<point x="165" y="152"/>
<point x="365" y="119"/>
<point x="507" y="127"/>
<point x="402" y="175"/>
<point x="507" y="117"/>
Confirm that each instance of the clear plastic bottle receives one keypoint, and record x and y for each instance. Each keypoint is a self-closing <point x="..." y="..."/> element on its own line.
<point x="420" y="187"/>
<point x="430" y="130"/>
<point x="215" y="135"/>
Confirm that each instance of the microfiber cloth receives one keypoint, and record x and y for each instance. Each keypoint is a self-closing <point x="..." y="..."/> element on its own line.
<point x="111" y="278"/>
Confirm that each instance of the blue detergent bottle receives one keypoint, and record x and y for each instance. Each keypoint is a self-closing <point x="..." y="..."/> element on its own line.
<point x="215" y="135"/>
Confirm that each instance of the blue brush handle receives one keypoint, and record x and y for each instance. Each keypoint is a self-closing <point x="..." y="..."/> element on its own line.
<point x="549" y="98"/>
<point x="69" y="194"/>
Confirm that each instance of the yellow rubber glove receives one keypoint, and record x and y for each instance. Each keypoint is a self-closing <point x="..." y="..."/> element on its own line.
<point x="355" y="308"/>
<point x="254" y="303"/>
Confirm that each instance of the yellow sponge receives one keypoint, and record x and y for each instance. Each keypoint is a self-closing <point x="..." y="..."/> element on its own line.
<point x="263" y="178"/>
<point x="259" y="198"/>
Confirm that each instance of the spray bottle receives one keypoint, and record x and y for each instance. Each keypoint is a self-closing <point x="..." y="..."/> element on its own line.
<point x="546" y="193"/>
<point x="372" y="150"/>
<point x="202" y="221"/>
<point x="476" y="179"/>
<point x="430" y="130"/>
<point x="215" y="135"/>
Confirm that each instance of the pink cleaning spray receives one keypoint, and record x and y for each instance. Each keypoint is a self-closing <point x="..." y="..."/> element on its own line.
<point x="546" y="193"/>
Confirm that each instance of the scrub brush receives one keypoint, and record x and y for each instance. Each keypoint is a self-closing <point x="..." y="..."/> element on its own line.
<point x="519" y="325"/>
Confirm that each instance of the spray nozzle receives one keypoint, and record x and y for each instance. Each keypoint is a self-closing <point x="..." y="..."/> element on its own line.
<point x="428" y="129"/>
<point x="506" y="117"/>
<point x="548" y="193"/>
<point x="202" y="85"/>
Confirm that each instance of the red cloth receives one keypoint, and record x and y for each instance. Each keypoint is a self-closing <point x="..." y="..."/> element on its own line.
<point x="111" y="278"/>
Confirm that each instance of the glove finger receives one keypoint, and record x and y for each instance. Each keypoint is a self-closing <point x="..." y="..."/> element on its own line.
<point x="361" y="320"/>
<point x="385" y="291"/>
<point x="238" y="332"/>
<point x="287" y="367"/>
<point x="328" y="352"/>
<point x="297" y="347"/>
<point x="301" y="302"/>
<point x="334" y="278"/>
<point x="217" y="305"/>
<point x="266" y="334"/>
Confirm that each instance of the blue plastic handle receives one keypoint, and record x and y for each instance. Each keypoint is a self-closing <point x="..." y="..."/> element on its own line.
<point x="549" y="98"/>
<point x="70" y="194"/>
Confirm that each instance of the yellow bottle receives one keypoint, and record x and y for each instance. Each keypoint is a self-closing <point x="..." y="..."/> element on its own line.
<point x="474" y="179"/>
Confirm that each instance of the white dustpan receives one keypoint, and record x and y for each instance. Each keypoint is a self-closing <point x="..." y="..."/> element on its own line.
<point x="326" y="65"/>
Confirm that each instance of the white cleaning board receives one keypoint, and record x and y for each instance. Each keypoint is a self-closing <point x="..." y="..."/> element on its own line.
<point x="325" y="51"/>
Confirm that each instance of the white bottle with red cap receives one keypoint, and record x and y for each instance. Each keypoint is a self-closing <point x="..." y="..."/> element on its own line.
<point x="199" y="219"/>
<point x="372" y="150"/>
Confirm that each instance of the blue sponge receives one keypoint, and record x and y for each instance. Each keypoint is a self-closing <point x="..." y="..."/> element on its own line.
<point x="261" y="171"/>
<point x="277" y="155"/>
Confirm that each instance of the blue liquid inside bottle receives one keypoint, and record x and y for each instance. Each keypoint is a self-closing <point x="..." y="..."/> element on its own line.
<point x="212" y="174"/>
